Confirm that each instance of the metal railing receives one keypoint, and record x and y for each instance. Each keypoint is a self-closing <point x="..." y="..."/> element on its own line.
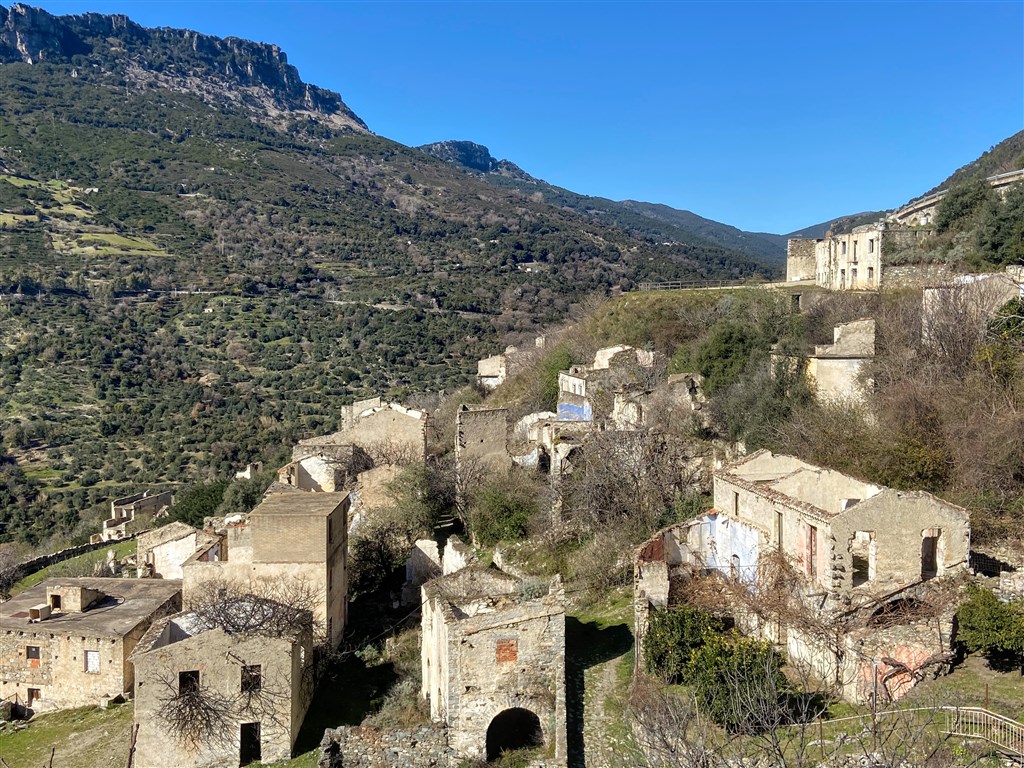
<point x="979" y="723"/>
<point x="677" y="285"/>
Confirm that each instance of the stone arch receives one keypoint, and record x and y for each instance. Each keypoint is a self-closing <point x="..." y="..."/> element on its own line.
<point x="514" y="728"/>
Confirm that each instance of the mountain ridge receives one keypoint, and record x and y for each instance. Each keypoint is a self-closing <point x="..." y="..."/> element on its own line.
<point x="146" y="56"/>
<point x="653" y="220"/>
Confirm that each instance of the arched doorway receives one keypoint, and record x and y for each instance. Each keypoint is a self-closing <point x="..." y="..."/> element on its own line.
<point x="514" y="728"/>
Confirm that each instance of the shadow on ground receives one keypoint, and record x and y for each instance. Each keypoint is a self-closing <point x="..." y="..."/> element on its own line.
<point x="350" y="693"/>
<point x="586" y="645"/>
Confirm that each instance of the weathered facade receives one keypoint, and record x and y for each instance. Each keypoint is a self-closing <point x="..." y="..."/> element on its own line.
<point x="493" y="663"/>
<point x="258" y="685"/>
<point x="301" y="537"/>
<point x="161" y="552"/>
<point x="65" y="642"/>
<point x="836" y="372"/>
<point x="856" y="548"/>
<point x="587" y="393"/>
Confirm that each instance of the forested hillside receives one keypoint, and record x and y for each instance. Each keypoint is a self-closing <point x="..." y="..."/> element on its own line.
<point x="141" y="167"/>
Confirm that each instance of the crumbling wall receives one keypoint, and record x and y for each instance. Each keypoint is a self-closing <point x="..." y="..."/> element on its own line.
<point x="800" y="263"/>
<point x="481" y="438"/>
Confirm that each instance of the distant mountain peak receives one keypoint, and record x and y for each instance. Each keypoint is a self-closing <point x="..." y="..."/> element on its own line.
<point x="475" y="157"/>
<point x="256" y="76"/>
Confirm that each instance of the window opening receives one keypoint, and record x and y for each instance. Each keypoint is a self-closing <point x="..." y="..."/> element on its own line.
<point x="252" y="678"/>
<point x="188" y="681"/>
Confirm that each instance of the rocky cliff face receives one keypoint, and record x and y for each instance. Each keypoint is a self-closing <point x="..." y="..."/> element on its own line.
<point x="255" y="75"/>
<point x="475" y="157"/>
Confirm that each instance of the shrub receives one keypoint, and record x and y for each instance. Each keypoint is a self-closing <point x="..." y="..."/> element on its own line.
<point x="961" y="203"/>
<point x="502" y="509"/>
<point x="739" y="684"/>
<point x="991" y="627"/>
<point x="673" y="637"/>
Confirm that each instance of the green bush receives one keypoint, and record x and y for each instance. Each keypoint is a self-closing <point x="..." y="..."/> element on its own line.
<point x="960" y="204"/>
<point x="673" y="637"/>
<point x="739" y="684"/>
<point x="723" y="354"/>
<point x="991" y="627"/>
<point x="502" y="509"/>
<point x="199" y="501"/>
<point x="1001" y="234"/>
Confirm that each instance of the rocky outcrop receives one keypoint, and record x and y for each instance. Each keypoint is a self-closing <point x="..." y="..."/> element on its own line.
<point x="257" y="75"/>
<point x="475" y="157"/>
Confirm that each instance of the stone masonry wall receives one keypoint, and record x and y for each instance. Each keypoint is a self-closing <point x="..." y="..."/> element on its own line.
<point x="363" y="747"/>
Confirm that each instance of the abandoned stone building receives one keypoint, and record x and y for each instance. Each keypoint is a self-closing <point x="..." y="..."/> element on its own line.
<point x="492" y="371"/>
<point x="294" y="536"/>
<point x="493" y="662"/>
<point x="161" y="552"/>
<point x="255" y="682"/>
<point x="65" y="642"/>
<point x="320" y="464"/>
<point x="587" y="393"/>
<point x="836" y="372"/>
<point x="123" y="512"/>
<point x="859" y="552"/>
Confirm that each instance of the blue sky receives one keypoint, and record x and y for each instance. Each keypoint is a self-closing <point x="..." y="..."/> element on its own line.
<point x="768" y="116"/>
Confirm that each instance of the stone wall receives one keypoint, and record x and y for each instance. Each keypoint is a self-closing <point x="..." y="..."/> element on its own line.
<point x="481" y="437"/>
<point x="28" y="567"/>
<point x="799" y="260"/>
<point x="366" y="747"/>
<point x="916" y="275"/>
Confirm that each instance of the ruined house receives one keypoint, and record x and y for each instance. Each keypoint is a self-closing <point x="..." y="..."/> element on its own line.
<point x="493" y="371"/>
<point x="493" y="662"/>
<point x="481" y="439"/>
<point x="255" y="683"/>
<point x="587" y="393"/>
<point x="65" y="642"/>
<point x="863" y="555"/>
<point x="300" y="537"/>
<point x="323" y="465"/>
<point x="123" y="512"/>
<point x="835" y="372"/>
<point x="161" y="552"/>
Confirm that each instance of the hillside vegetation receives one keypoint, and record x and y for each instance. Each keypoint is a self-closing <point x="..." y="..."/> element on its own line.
<point x="192" y="277"/>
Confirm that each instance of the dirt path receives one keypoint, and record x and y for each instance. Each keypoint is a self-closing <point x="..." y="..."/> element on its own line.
<point x="603" y="729"/>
